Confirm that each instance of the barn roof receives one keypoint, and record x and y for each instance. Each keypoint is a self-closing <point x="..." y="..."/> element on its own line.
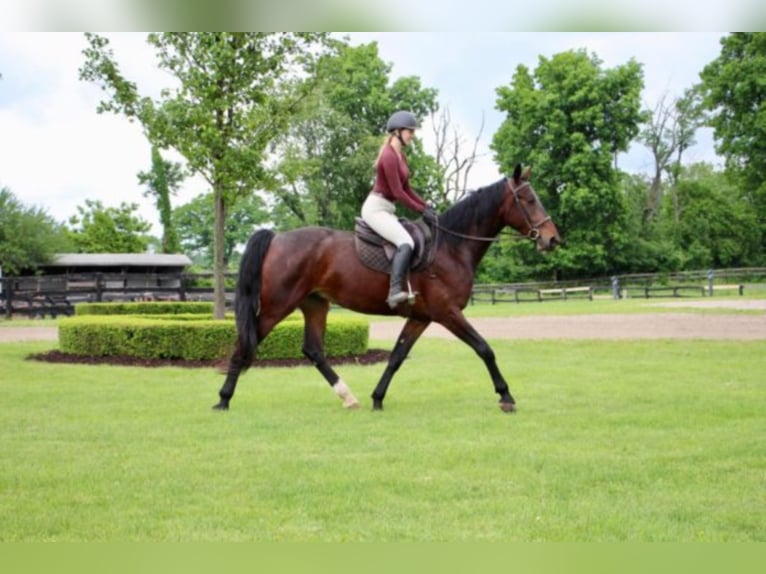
<point x="119" y="260"/>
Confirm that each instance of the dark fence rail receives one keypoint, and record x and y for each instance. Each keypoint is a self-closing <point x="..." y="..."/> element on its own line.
<point x="53" y="295"/>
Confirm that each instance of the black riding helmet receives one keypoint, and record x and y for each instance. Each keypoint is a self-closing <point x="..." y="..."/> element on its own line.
<point x="402" y="120"/>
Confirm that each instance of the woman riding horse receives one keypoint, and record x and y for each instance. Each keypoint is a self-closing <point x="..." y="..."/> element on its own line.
<point x="392" y="184"/>
<point x="311" y="267"/>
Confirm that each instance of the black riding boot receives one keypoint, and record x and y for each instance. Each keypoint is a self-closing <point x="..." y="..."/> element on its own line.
<point x="399" y="267"/>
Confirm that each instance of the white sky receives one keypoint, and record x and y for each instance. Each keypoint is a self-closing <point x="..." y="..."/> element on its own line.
<point x="56" y="151"/>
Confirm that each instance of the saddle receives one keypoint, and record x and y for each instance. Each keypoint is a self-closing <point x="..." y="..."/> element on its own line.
<point x="377" y="253"/>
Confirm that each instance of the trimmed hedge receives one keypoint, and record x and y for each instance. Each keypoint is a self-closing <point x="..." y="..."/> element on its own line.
<point x="193" y="338"/>
<point x="145" y="308"/>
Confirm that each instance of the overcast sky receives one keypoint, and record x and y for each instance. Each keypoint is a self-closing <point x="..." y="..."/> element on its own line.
<point x="56" y="151"/>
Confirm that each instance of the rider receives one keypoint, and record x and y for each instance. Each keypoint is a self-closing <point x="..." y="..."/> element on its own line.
<point x="391" y="185"/>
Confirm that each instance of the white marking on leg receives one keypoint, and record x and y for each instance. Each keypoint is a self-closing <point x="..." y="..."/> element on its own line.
<point x="345" y="394"/>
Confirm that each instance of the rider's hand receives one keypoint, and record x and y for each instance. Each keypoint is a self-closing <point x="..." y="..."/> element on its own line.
<point x="429" y="215"/>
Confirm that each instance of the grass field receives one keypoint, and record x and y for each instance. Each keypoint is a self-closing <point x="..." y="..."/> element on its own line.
<point x="613" y="441"/>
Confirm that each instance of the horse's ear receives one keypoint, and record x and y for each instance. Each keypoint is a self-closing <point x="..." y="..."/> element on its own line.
<point x="517" y="173"/>
<point x="527" y="173"/>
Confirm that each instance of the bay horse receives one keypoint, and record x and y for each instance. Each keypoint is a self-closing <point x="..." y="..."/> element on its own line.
<point x="309" y="268"/>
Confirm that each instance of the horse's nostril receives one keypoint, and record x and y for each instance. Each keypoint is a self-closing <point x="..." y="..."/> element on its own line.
<point x="554" y="242"/>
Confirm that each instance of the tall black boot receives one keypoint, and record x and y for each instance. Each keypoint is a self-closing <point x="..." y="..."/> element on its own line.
<point x="399" y="267"/>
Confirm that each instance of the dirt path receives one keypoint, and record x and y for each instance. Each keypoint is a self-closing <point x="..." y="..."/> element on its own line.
<point x="617" y="326"/>
<point x="643" y="326"/>
<point x="17" y="334"/>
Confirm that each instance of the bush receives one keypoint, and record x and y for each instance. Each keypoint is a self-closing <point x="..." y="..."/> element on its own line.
<point x="192" y="338"/>
<point x="145" y="308"/>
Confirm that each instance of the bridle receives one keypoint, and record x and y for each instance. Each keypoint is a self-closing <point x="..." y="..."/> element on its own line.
<point x="534" y="228"/>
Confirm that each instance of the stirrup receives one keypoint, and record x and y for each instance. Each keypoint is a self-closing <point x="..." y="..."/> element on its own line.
<point x="400" y="297"/>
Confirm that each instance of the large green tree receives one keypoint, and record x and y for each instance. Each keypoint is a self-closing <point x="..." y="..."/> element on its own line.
<point x="325" y="162"/>
<point x="734" y="93"/>
<point x="29" y="237"/>
<point x="100" y="229"/>
<point x="232" y="94"/>
<point x="569" y="119"/>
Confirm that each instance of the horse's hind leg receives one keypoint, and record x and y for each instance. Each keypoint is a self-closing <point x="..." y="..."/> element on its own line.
<point x="315" y="310"/>
<point x="232" y="375"/>
<point x="241" y="359"/>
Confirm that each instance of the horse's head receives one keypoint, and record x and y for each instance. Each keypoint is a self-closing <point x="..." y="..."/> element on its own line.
<point x="525" y="213"/>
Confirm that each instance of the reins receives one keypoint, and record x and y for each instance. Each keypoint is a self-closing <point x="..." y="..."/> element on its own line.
<point x="533" y="234"/>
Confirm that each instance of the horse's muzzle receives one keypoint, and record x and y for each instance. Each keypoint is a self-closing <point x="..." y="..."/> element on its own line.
<point x="548" y="243"/>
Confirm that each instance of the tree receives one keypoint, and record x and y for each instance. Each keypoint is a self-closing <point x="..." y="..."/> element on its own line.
<point x="734" y="95"/>
<point x="668" y="133"/>
<point x="234" y="93"/>
<point x="648" y="250"/>
<point x="450" y="156"/>
<point x="569" y="120"/>
<point x="29" y="237"/>
<point x="325" y="161"/>
<point x="709" y="223"/>
<point x="99" y="229"/>
<point x="194" y="222"/>
<point x="161" y="182"/>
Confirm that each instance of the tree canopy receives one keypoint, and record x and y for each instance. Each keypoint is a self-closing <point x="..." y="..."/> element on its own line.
<point x="100" y="229"/>
<point x="568" y="119"/>
<point x="324" y="165"/>
<point x="734" y="93"/>
<point x="29" y="237"/>
<point x="194" y="224"/>
<point x="233" y="93"/>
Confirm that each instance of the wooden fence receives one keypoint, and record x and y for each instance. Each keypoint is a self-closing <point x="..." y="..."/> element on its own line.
<point x="53" y="295"/>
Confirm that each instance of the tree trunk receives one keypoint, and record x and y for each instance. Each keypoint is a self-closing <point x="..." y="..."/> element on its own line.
<point x="219" y="267"/>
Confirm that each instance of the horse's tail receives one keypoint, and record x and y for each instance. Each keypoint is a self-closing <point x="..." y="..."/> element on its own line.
<point x="248" y="296"/>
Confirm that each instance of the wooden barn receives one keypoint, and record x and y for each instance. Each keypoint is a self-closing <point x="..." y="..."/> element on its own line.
<point x="77" y="277"/>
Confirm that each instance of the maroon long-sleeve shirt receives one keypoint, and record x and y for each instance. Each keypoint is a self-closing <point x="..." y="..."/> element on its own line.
<point x="392" y="180"/>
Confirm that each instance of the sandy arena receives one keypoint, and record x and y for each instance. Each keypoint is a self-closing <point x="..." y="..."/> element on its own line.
<point x="615" y="326"/>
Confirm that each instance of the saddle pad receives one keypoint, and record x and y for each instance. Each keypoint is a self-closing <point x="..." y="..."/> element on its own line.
<point x="377" y="253"/>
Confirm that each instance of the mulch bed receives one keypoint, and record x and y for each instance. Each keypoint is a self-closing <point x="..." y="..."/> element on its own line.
<point x="55" y="356"/>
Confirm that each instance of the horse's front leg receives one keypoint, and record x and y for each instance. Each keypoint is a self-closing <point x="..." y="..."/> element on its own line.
<point x="412" y="330"/>
<point x="461" y="328"/>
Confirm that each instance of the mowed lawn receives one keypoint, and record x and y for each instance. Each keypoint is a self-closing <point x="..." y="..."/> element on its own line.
<point x="632" y="440"/>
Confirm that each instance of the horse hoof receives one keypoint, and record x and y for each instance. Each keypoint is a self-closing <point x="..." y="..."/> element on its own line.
<point x="507" y="407"/>
<point x="221" y="407"/>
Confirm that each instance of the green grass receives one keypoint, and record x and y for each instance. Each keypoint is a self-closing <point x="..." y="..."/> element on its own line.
<point x="637" y="440"/>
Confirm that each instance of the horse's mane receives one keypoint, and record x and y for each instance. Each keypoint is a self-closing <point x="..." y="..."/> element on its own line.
<point x="479" y="205"/>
